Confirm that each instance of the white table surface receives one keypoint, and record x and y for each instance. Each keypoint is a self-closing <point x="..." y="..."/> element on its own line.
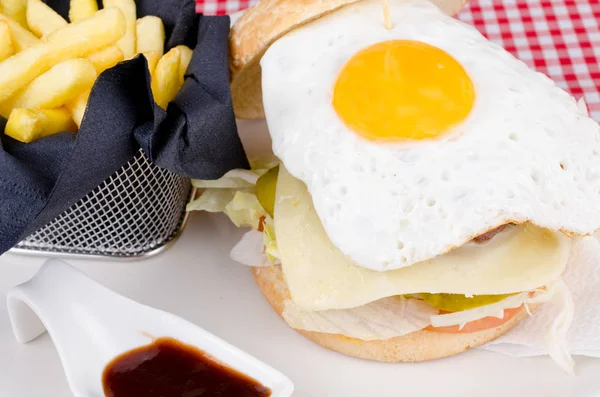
<point x="196" y="280"/>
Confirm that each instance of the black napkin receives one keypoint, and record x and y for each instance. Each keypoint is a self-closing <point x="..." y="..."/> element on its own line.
<point x="196" y="137"/>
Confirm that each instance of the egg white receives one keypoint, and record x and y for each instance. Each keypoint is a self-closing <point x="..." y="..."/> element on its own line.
<point x="526" y="152"/>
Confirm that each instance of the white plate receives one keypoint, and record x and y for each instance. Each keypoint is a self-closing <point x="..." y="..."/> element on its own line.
<point x="197" y="281"/>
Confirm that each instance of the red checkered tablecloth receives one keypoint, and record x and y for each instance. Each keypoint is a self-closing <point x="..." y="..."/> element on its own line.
<point x="560" y="38"/>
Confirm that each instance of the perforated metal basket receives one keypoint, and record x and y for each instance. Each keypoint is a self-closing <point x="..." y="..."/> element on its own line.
<point x="136" y="212"/>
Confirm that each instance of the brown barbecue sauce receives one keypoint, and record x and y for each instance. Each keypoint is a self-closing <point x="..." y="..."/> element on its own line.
<point x="169" y="368"/>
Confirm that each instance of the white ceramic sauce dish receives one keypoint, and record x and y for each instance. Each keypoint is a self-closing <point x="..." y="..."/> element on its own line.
<point x="90" y="325"/>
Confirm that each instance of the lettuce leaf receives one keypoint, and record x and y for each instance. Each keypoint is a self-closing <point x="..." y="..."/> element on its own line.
<point x="250" y="250"/>
<point x="233" y="194"/>
<point x="379" y="320"/>
<point x="245" y="210"/>
<point x="234" y="179"/>
<point x="269" y="241"/>
<point x="213" y="200"/>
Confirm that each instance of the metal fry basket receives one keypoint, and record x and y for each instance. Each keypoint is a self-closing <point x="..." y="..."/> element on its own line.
<point x="135" y="213"/>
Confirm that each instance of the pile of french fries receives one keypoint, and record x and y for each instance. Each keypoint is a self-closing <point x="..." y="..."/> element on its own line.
<point x="49" y="65"/>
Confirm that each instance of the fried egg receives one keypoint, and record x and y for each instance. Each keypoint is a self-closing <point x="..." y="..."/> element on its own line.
<point x="413" y="140"/>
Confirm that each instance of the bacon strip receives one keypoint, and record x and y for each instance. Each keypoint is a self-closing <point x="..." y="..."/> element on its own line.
<point x="488" y="235"/>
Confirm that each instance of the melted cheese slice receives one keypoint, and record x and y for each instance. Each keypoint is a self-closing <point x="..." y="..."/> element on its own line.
<point x="320" y="277"/>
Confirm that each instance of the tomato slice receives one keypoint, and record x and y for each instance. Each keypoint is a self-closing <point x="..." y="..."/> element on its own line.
<point x="477" y="325"/>
<point x="261" y="224"/>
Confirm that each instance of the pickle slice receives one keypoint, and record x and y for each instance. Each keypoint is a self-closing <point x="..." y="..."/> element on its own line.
<point x="265" y="189"/>
<point x="457" y="302"/>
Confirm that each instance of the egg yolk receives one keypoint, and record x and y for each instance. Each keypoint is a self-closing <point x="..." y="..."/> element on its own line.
<point x="402" y="90"/>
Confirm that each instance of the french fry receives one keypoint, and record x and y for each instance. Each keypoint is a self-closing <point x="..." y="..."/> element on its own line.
<point x="46" y="81"/>
<point x="5" y="110"/>
<point x="150" y="33"/>
<point x="78" y="106"/>
<point x="43" y="20"/>
<point x="16" y="10"/>
<point x="82" y="9"/>
<point x="82" y="38"/>
<point x="186" y="58"/>
<point x="166" y="81"/>
<point x="75" y="40"/>
<point x="106" y="58"/>
<point x="21" y="69"/>
<point x="22" y="38"/>
<point x="6" y="43"/>
<point x="60" y="85"/>
<point x="127" y="43"/>
<point x="28" y="125"/>
<point x="152" y="57"/>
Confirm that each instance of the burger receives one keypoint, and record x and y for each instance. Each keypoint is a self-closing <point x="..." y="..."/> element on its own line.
<point x="427" y="185"/>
